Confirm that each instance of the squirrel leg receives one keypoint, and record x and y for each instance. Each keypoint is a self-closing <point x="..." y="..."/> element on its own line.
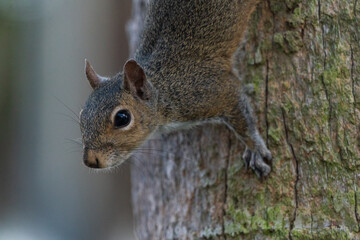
<point x="242" y="121"/>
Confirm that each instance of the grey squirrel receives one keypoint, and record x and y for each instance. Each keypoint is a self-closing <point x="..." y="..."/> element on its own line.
<point x="181" y="74"/>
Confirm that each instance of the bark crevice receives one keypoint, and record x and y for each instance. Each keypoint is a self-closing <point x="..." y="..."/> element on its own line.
<point x="225" y="189"/>
<point x="352" y="75"/>
<point x="356" y="210"/>
<point x="327" y="95"/>
<point x="267" y="70"/>
<point x="292" y="220"/>
<point x="356" y="24"/>
<point x="266" y="101"/>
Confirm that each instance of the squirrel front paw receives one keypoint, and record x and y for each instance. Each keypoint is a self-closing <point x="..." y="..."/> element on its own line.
<point x="255" y="160"/>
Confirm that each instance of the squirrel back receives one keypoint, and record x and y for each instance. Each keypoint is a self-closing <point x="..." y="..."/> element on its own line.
<point x="198" y="30"/>
<point x="186" y="48"/>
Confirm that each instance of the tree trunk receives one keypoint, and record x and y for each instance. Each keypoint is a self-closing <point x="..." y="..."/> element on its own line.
<point x="302" y="57"/>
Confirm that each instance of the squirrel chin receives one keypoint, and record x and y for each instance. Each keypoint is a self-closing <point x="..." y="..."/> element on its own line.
<point x="114" y="161"/>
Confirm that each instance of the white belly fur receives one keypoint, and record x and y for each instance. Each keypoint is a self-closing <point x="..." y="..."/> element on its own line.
<point x="176" y="126"/>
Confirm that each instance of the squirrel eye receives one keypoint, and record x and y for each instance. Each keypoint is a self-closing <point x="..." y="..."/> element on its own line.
<point x="122" y="119"/>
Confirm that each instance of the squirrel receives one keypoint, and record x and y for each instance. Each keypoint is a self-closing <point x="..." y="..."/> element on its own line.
<point x="181" y="74"/>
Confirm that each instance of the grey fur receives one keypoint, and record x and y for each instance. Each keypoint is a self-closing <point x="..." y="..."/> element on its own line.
<point x="186" y="53"/>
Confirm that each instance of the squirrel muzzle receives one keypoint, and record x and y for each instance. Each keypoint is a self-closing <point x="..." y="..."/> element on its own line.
<point x="92" y="159"/>
<point x="98" y="159"/>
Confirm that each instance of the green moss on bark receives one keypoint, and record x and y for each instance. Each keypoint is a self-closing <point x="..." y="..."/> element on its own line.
<point x="310" y="72"/>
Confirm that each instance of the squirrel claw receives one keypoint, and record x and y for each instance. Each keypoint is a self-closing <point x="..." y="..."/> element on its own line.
<point x="256" y="162"/>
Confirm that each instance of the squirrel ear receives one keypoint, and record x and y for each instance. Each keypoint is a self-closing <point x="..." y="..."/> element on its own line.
<point x="135" y="80"/>
<point x="93" y="78"/>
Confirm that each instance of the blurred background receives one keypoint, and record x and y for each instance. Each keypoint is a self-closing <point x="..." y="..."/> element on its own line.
<point x="45" y="190"/>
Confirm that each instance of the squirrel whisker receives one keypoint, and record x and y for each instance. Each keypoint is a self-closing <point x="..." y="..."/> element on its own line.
<point x="68" y="108"/>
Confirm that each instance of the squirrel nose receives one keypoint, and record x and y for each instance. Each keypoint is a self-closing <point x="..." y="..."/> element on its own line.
<point x="91" y="159"/>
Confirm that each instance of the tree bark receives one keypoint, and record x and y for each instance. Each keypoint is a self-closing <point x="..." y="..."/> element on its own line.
<point x="302" y="58"/>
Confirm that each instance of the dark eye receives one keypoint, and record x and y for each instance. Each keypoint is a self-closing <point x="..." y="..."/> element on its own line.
<point x="122" y="119"/>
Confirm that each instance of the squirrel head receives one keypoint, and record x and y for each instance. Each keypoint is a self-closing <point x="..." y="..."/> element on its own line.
<point x="118" y="116"/>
